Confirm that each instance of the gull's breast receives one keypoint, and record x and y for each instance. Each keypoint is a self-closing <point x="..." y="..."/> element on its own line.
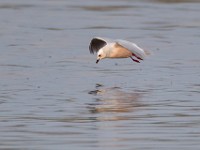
<point x="119" y="51"/>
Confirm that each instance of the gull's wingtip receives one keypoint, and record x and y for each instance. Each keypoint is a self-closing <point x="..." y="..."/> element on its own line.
<point x="96" y="44"/>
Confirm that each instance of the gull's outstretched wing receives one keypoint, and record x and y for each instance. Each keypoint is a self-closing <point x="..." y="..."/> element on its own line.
<point x="96" y="44"/>
<point x="136" y="50"/>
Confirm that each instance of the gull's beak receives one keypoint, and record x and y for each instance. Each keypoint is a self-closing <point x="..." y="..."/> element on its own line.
<point x="97" y="61"/>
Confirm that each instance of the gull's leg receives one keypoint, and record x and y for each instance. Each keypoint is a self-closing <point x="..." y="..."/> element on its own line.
<point x="135" y="59"/>
<point x="137" y="56"/>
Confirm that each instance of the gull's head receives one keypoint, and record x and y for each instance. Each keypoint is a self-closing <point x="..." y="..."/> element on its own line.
<point x="100" y="55"/>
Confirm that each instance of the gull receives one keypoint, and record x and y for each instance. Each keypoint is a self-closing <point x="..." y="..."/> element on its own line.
<point x="116" y="48"/>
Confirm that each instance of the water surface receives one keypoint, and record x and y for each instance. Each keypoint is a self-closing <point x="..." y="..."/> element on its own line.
<point x="54" y="96"/>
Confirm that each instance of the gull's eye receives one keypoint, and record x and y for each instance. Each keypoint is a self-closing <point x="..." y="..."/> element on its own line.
<point x="99" y="55"/>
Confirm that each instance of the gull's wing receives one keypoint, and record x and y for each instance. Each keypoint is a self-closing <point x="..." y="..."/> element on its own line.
<point x="136" y="50"/>
<point x="96" y="44"/>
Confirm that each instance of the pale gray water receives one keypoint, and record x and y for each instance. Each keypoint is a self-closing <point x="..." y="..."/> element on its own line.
<point x="54" y="97"/>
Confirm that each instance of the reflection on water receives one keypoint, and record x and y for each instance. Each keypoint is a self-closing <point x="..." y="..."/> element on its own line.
<point x="114" y="100"/>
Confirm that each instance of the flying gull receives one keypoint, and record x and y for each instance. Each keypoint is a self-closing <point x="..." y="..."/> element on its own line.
<point x="111" y="48"/>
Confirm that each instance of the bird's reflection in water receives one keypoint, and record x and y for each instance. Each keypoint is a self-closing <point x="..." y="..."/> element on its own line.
<point x="113" y="100"/>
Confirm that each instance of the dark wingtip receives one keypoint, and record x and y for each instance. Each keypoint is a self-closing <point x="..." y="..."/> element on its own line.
<point x="90" y="48"/>
<point x="96" y="44"/>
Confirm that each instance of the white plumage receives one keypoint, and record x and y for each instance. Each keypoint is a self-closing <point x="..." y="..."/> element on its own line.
<point x="109" y="48"/>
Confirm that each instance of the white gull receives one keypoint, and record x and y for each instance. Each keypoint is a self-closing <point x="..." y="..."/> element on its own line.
<point x="111" y="48"/>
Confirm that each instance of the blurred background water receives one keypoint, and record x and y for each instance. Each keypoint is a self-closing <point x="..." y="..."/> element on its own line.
<point x="54" y="96"/>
